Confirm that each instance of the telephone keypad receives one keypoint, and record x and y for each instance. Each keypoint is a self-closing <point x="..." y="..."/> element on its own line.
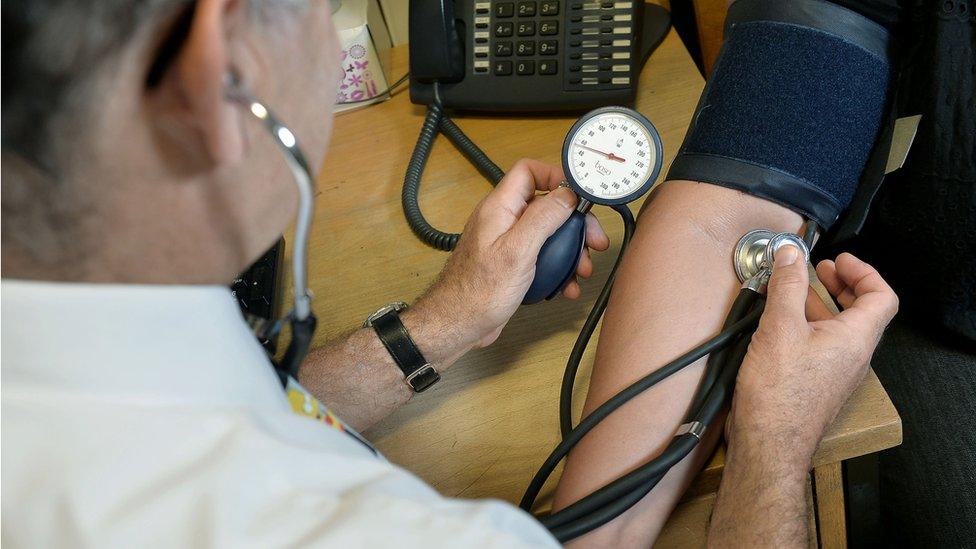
<point x="549" y="28"/>
<point x="549" y="8"/>
<point x="591" y="39"/>
<point x="504" y="29"/>
<point x="503" y="68"/>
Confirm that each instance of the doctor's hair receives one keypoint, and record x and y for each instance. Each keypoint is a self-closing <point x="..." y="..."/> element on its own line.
<point x="53" y="52"/>
<point x="58" y="60"/>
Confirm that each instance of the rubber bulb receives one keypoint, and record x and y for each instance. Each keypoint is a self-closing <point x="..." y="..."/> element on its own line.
<point x="558" y="259"/>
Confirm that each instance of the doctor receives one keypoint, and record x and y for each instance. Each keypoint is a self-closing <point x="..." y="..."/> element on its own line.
<point x="138" y="408"/>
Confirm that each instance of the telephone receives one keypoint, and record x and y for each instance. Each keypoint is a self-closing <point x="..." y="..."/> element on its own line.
<point x="530" y="55"/>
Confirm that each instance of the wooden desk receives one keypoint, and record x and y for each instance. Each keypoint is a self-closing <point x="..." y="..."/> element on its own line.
<point x="484" y="430"/>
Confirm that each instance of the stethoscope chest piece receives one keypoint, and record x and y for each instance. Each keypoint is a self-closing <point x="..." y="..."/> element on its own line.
<point x="755" y="250"/>
<point x="750" y="253"/>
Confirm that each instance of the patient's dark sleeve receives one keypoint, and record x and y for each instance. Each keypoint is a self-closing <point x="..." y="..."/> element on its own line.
<point x="883" y="12"/>
<point x="794" y="105"/>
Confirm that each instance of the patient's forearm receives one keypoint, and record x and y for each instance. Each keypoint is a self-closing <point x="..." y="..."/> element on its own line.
<point x="673" y="290"/>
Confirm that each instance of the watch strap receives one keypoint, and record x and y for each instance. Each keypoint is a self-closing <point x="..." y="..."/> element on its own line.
<point x="420" y="374"/>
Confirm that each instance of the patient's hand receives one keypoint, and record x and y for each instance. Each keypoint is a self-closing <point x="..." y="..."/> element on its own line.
<point x="804" y="361"/>
<point x="488" y="274"/>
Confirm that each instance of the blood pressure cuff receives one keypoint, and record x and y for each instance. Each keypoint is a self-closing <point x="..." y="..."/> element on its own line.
<point x="793" y="107"/>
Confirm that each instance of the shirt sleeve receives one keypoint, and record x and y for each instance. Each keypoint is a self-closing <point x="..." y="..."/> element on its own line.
<point x="149" y="474"/>
<point x="320" y="489"/>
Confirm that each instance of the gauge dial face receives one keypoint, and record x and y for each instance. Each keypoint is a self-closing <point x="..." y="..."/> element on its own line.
<point x="612" y="155"/>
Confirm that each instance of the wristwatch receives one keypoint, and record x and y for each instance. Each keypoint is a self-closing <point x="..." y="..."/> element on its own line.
<point x="420" y="374"/>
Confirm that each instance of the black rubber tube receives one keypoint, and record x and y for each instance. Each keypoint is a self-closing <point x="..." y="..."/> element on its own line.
<point x="677" y="450"/>
<point x="715" y="360"/>
<point x="618" y="400"/>
<point x="605" y="513"/>
<point x="607" y="503"/>
<point x="596" y="313"/>
<point x="615" y="507"/>
<point x="721" y="391"/>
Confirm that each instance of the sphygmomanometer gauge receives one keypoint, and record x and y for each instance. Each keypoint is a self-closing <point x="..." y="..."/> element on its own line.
<point x="612" y="156"/>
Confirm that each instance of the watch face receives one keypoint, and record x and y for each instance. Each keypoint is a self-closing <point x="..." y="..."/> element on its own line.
<point x="612" y="156"/>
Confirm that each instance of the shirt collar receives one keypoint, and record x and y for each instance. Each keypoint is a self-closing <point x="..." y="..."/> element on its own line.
<point x="165" y="343"/>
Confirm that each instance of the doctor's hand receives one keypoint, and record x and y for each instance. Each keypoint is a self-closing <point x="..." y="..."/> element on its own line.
<point x="488" y="274"/>
<point x="805" y="361"/>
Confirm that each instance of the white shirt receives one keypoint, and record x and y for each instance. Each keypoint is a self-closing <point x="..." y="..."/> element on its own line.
<point x="139" y="416"/>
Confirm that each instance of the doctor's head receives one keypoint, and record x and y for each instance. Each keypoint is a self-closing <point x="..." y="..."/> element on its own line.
<point x="123" y="159"/>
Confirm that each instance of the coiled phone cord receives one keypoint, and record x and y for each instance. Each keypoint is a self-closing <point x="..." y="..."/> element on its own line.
<point x="437" y="122"/>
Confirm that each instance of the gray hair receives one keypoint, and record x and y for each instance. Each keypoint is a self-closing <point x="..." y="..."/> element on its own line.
<point x="50" y="49"/>
<point x="54" y="52"/>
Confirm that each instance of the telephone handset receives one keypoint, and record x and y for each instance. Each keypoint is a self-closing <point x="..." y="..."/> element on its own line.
<point x="530" y="55"/>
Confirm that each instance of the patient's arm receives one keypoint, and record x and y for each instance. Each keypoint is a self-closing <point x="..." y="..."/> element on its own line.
<point x="673" y="291"/>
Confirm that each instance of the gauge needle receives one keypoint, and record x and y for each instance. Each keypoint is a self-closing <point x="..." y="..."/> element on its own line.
<point x="610" y="156"/>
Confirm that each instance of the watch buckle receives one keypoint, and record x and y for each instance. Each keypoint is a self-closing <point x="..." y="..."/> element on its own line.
<point x="426" y="368"/>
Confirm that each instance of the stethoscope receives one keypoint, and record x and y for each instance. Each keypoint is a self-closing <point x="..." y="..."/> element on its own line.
<point x="611" y="157"/>
<point x="301" y="317"/>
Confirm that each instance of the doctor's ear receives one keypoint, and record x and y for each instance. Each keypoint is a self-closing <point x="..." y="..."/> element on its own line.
<point x="190" y="72"/>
